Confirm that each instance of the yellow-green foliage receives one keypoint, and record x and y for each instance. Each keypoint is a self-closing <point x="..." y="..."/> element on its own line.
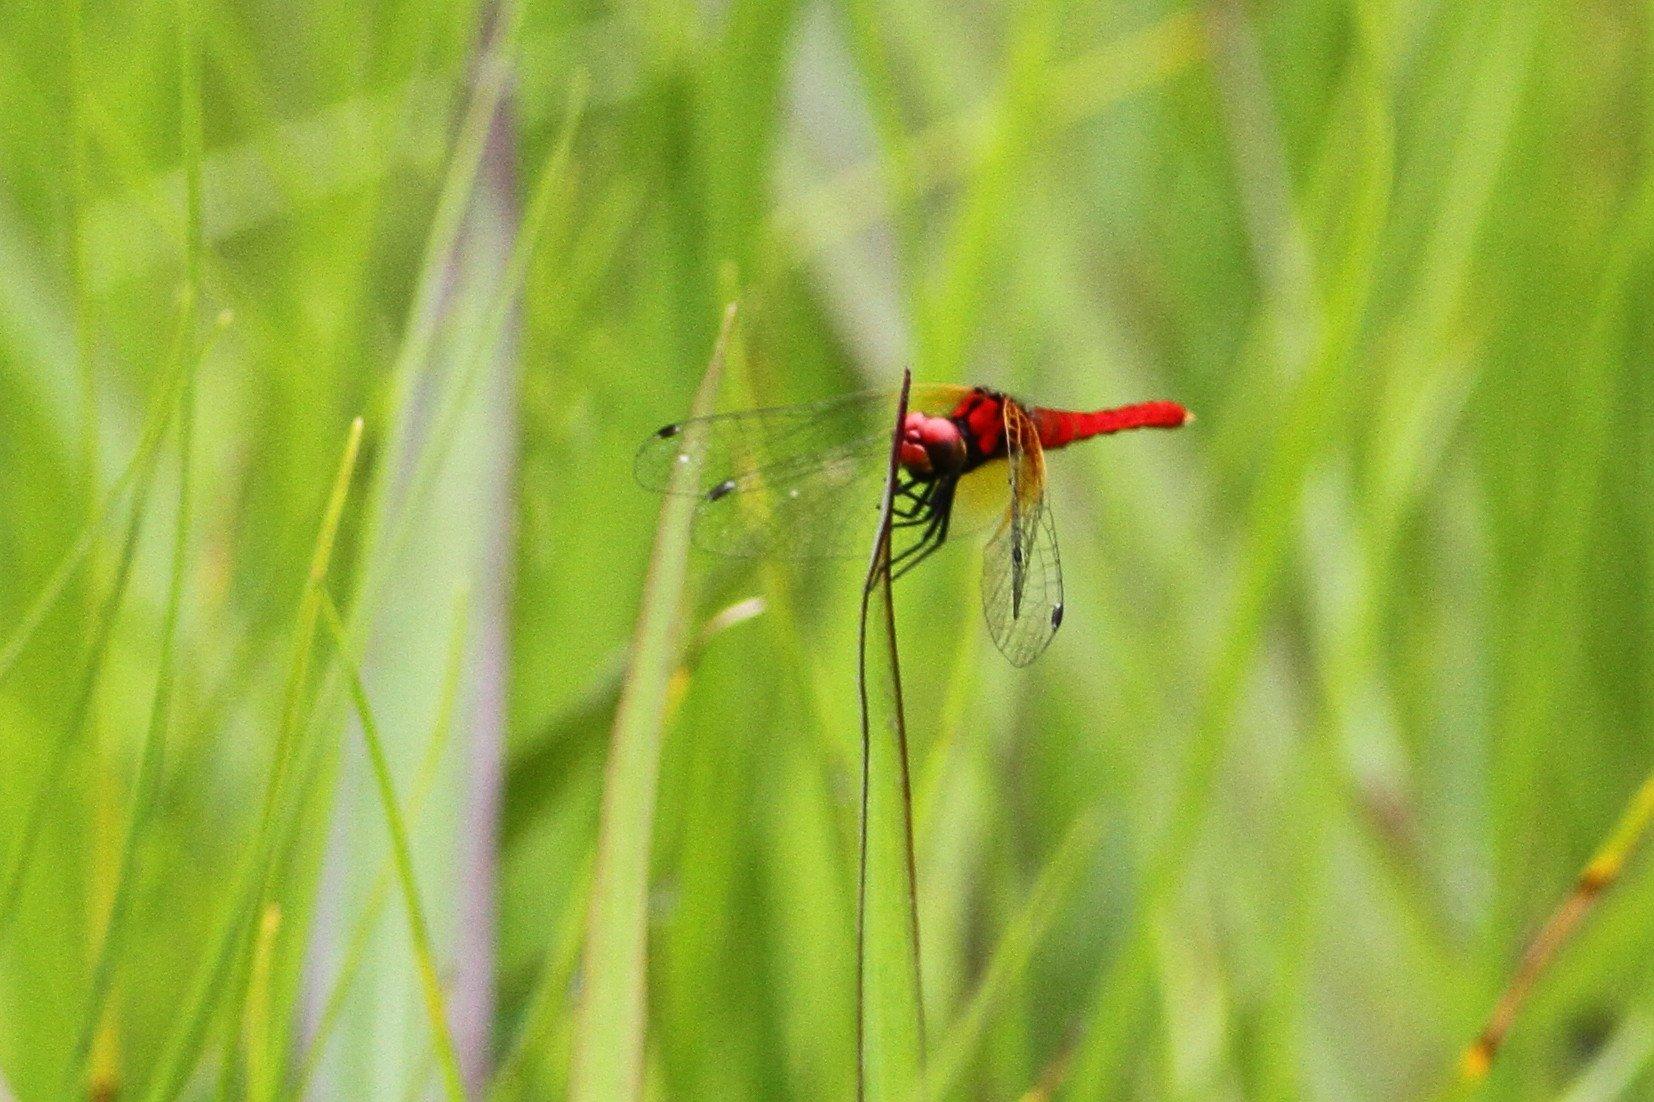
<point x="1355" y="674"/>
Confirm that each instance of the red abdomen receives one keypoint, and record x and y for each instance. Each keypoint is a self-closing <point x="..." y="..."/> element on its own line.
<point x="1059" y="427"/>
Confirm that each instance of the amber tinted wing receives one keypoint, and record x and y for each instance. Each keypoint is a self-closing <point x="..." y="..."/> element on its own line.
<point x="1021" y="570"/>
<point x="790" y="482"/>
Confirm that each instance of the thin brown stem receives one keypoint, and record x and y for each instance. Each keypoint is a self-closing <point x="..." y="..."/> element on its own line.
<point x="1597" y="877"/>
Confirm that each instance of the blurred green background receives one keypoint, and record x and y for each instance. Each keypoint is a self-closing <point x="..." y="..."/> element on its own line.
<point x="1356" y="671"/>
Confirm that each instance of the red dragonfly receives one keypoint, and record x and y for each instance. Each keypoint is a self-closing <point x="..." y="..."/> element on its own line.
<point x="808" y="480"/>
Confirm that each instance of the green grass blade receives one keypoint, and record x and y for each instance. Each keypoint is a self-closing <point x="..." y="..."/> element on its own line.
<point x="183" y="1049"/>
<point x="47" y="794"/>
<point x="138" y="469"/>
<point x="102" y="627"/>
<point x="426" y="776"/>
<point x="889" y="1002"/>
<point x="609" y="1032"/>
<point x="548" y="189"/>
<point x="147" y="786"/>
<point x="957" y="302"/>
<point x="403" y="856"/>
<point x="1011" y="956"/>
<point x="146" y="789"/>
<point x="528" y="1051"/>
<point x="262" y="1060"/>
<point x="421" y="325"/>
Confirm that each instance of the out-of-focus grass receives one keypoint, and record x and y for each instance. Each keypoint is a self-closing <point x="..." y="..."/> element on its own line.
<point x="418" y="927"/>
<point x="612" y="1008"/>
<point x="1355" y="673"/>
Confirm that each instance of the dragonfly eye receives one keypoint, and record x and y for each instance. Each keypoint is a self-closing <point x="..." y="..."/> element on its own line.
<point x="932" y="445"/>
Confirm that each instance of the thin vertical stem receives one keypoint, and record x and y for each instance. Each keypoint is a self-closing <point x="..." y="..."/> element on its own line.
<point x="890" y="1035"/>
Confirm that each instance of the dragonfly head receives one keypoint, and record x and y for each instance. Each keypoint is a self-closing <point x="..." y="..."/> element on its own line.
<point x="931" y="446"/>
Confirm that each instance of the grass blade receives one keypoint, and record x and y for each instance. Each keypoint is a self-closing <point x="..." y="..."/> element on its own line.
<point x="890" y="1030"/>
<point x="183" y="1050"/>
<point x="1597" y="877"/>
<point x="609" y="1023"/>
<point x="542" y="1022"/>
<point x="147" y="786"/>
<point x="261" y="1058"/>
<point x="138" y="470"/>
<point x="366" y="922"/>
<point x="103" y="625"/>
<point x="1631" y="246"/>
<point x="1015" y="949"/>
<point x="146" y="789"/>
<point x="447" y="1060"/>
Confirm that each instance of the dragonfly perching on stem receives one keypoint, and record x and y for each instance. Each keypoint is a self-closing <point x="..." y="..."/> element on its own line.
<point x="805" y="481"/>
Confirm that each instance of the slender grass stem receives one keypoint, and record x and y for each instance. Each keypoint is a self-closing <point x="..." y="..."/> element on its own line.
<point x="890" y="1028"/>
<point x="402" y="855"/>
<point x="251" y="886"/>
<point x="366" y="923"/>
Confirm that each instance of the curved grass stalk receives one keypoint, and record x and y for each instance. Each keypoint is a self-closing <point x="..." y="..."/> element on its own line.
<point x="890" y="1029"/>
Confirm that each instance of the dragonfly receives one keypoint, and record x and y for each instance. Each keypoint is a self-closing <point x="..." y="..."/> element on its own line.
<point x="807" y="481"/>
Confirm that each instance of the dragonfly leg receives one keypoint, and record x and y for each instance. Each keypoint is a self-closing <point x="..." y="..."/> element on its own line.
<point x="935" y="533"/>
<point x="916" y="500"/>
<point x="905" y="561"/>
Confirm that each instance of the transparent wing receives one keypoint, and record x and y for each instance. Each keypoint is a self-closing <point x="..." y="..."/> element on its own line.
<point x="792" y="482"/>
<point x="1021" y="570"/>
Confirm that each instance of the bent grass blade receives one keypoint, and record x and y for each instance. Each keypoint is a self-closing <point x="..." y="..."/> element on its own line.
<point x="890" y="1032"/>
<point x="1600" y="874"/>
<point x="609" y="1021"/>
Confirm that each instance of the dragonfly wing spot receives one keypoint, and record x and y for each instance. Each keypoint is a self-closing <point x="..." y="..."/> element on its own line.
<point x="666" y="432"/>
<point x="720" y="489"/>
<point x="1056" y="616"/>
